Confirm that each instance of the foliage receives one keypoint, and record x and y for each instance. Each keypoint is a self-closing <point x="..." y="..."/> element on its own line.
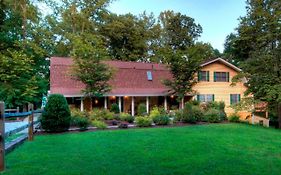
<point x="218" y="106"/>
<point x="123" y="125"/>
<point x="127" y="117"/>
<point x="161" y="119"/>
<point x="188" y="117"/>
<point x="235" y="118"/>
<point x="178" y="115"/>
<point x="114" y="108"/>
<point x="154" y="112"/>
<point x="257" y="44"/>
<point x="56" y="116"/>
<point x="212" y="116"/>
<point x="143" y="121"/>
<point x="101" y="114"/>
<point x="141" y="109"/>
<point x="79" y="119"/>
<point x="197" y="113"/>
<point x="99" y="124"/>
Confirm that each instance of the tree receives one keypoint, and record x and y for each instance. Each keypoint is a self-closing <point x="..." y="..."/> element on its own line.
<point x="21" y="45"/>
<point x="129" y="37"/>
<point x="258" y="43"/>
<point x="88" y="68"/>
<point x="177" y="48"/>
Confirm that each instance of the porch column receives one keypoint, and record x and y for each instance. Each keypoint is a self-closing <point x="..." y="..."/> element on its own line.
<point x="119" y="103"/>
<point x="133" y="106"/>
<point x="147" y="105"/>
<point x="165" y="103"/>
<point x="182" y="103"/>
<point x="82" y="104"/>
<point x="105" y="102"/>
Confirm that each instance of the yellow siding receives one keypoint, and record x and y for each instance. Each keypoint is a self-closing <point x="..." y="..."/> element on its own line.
<point x="221" y="90"/>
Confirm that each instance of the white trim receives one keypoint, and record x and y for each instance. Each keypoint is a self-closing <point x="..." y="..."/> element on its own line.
<point x="119" y="104"/>
<point x="82" y="104"/>
<point x="165" y="103"/>
<point x="105" y="102"/>
<point x="223" y="61"/>
<point x="133" y="106"/>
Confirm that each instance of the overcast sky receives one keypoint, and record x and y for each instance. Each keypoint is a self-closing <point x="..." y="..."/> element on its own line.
<point x="217" y="17"/>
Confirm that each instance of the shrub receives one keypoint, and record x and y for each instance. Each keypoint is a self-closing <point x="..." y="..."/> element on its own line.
<point x="141" y="110"/>
<point x="218" y="106"/>
<point x="197" y="113"/>
<point x="82" y="123"/>
<point x="143" y="121"/>
<point x="114" y="108"/>
<point x="213" y="116"/>
<point x="187" y="116"/>
<point x="101" y="114"/>
<point x="56" y="116"/>
<point x="161" y="120"/>
<point x="235" y="118"/>
<point x="178" y="115"/>
<point x="159" y="116"/>
<point x="194" y="102"/>
<point x="99" y="124"/>
<point x="154" y="112"/>
<point x="126" y="117"/>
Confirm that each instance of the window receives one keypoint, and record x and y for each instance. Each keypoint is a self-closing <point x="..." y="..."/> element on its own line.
<point x="149" y="75"/>
<point x="234" y="98"/>
<point x="221" y="76"/>
<point x="205" y="97"/>
<point x="203" y="76"/>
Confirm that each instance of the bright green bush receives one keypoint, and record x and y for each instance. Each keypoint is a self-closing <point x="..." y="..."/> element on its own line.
<point x="141" y="109"/>
<point x="159" y="116"/>
<point x="143" y="121"/>
<point x="235" y="118"/>
<point x="212" y="116"/>
<point x="126" y="117"/>
<point x="56" y="115"/>
<point x="99" y="124"/>
<point x="101" y="114"/>
<point x="114" y="108"/>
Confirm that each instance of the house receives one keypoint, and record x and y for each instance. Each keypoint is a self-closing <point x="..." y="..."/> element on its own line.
<point x="134" y="83"/>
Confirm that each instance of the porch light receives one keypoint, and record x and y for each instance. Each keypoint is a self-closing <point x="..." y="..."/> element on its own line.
<point x="172" y="96"/>
<point x="126" y="97"/>
<point x="96" y="101"/>
<point x="113" y="97"/>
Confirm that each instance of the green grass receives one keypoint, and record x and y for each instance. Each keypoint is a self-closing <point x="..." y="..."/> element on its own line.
<point x="201" y="149"/>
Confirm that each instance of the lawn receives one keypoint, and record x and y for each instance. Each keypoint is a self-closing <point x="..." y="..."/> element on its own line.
<point x="200" y="149"/>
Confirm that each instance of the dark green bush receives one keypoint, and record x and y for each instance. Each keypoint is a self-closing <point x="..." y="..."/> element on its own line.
<point x="114" y="108"/>
<point x="212" y="116"/>
<point x="143" y="121"/>
<point x="141" y="110"/>
<point x="56" y="115"/>
<point x="197" y="113"/>
<point x="235" y="118"/>
<point x="82" y="123"/>
<point x="187" y="116"/>
<point x="218" y="106"/>
<point x="127" y="117"/>
<point x="161" y="120"/>
<point x="178" y="115"/>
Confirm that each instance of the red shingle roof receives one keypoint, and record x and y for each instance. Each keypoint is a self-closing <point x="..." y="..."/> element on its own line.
<point x="129" y="79"/>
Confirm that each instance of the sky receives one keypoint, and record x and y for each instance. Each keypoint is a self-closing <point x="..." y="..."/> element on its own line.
<point x="218" y="18"/>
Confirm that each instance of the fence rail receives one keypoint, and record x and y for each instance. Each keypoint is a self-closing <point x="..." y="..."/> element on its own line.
<point x="21" y="114"/>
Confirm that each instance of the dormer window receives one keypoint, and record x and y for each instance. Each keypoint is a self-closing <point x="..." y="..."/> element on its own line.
<point x="203" y="76"/>
<point x="221" y="76"/>
<point x="149" y="75"/>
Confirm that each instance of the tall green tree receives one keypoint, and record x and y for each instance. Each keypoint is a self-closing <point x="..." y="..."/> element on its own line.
<point x="21" y="44"/>
<point x="258" y="44"/>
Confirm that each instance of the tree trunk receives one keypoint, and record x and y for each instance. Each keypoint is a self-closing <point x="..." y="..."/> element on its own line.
<point x="279" y="115"/>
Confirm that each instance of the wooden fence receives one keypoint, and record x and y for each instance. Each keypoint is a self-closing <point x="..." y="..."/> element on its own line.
<point x="5" y="148"/>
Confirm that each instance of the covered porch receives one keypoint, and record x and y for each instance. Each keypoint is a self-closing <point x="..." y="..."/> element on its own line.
<point x="128" y="104"/>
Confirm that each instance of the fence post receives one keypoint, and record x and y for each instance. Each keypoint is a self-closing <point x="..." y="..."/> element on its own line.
<point x="30" y="122"/>
<point x="2" y="136"/>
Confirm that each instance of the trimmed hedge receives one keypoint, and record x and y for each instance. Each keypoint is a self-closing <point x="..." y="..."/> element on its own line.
<point x="56" y="115"/>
